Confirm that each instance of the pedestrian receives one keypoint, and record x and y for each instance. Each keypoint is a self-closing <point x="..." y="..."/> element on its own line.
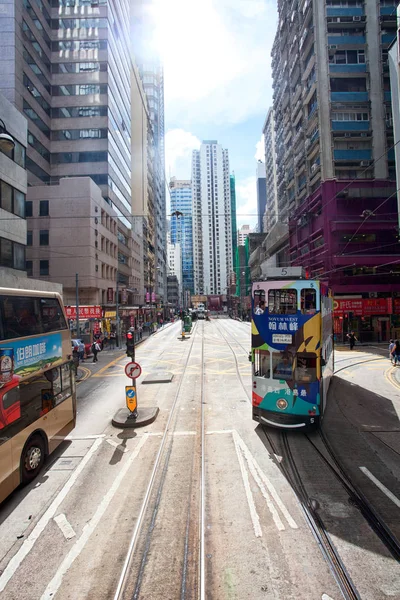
<point x="95" y="349"/>
<point x="81" y="350"/>
<point x="113" y="336"/>
<point x="396" y="352"/>
<point x="391" y="347"/>
<point x="140" y="330"/>
<point x="352" y="339"/>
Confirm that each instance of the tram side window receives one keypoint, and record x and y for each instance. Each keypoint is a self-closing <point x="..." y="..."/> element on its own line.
<point x="262" y="363"/>
<point x="308" y="301"/>
<point x="282" y="365"/>
<point x="306" y="368"/>
<point x="259" y="302"/>
<point x="282" y="302"/>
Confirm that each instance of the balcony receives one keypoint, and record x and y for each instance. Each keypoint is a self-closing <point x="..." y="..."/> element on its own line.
<point x="358" y="68"/>
<point x="387" y="38"/>
<point x="388" y="10"/>
<point x="365" y="154"/>
<point x="353" y="11"/>
<point x="346" y="40"/>
<point x="350" y="125"/>
<point x="350" y="97"/>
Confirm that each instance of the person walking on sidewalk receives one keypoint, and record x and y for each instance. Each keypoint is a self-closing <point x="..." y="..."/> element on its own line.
<point x="391" y="348"/>
<point x="352" y="339"/>
<point x="95" y="349"/>
<point x="396" y="352"/>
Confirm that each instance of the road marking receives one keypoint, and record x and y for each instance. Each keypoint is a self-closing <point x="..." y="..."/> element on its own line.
<point x="258" y="474"/>
<point x="380" y="485"/>
<point x="216" y="432"/>
<point x="110" y="364"/>
<point x="89" y="528"/>
<point x="250" y="500"/>
<point x="65" y="526"/>
<point x="117" y="445"/>
<point x="326" y="597"/>
<point x="74" y="438"/>
<point x="49" y="514"/>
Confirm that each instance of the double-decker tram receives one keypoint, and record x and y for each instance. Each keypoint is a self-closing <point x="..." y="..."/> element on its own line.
<point x="37" y="383"/>
<point x="292" y="349"/>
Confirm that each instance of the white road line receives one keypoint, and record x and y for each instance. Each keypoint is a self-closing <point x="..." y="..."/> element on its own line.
<point x="269" y="485"/>
<point x="49" y="514"/>
<point x="277" y="520"/>
<point x="78" y="437"/>
<point x="382" y="487"/>
<point x="65" y="526"/>
<point x="89" y="528"/>
<point x="219" y="431"/>
<point x="250" y="500"/>
<point x="326" y="597"/>
<point x="117" y="445"/>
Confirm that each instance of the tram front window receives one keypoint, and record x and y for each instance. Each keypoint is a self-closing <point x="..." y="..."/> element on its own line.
<point x="262" y="363"/>
<point x="306" y="368"/>
<point x="282" y="366"/>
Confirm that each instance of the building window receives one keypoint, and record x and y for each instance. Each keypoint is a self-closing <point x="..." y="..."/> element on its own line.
<point x="44" y="237"/>
<point x="6" y="253"/>
<point x="44" y="208"/>
<point x="12" y="254"/>
<point x="44" y="267"/>
<point x="29" y="268"/>
<point x="28" y="208"/>
<point x="6" y="197"/>
<point x="29" y="238"/>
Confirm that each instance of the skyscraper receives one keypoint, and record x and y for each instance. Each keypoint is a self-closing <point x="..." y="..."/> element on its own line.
<point x="334" y="138"/>
<point x="271" y="210"/>
<point x="182" y="227"/>
<point x="70" y="75"/>
<point x="212" y="224"/>
<point x="261" y="194"/>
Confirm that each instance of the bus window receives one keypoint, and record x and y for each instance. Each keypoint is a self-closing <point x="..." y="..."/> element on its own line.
<point x="306" y="369"/>
<point x="308" y="301"/>
<point x="262" y="363"/>
<point x="19" y="317"/>
<point x="282" y="366"/>
<point x="51" y="315"/>
<point x="282" y="302"/>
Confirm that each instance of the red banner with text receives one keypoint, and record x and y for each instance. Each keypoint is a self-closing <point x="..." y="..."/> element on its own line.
<point x="85" y="312"/>
<point x="363" y="307"/>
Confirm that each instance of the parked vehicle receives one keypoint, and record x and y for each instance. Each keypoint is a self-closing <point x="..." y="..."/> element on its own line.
<point x="88" y="345"/>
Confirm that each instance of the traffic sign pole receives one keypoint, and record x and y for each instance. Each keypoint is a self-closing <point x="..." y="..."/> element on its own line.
<point x="132" y="370"/>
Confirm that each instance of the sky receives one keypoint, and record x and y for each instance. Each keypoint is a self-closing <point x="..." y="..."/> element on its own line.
<point x="217" y="67"/>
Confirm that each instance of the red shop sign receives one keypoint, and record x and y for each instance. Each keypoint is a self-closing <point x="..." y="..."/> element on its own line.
<point x="354" y="305"/>
<point x="85" y="312"/>
<point x="396" y="306"/>
<point x="375" y="306"/>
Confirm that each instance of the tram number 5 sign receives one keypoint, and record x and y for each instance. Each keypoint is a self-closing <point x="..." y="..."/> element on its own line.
<point x="133" y="370"/>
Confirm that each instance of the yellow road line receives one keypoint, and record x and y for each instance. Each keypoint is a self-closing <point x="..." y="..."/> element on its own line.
<point x="88" y="373"/>
<point x="389" y="377"/>
<point x="110" y="364"/>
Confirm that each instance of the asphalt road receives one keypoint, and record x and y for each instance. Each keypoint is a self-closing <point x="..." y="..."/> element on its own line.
<point x="199" y="495"/>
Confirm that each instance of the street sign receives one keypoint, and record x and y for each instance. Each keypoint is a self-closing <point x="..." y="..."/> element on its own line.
<point x="133" y="370"/>
<point x="131" y="398"/>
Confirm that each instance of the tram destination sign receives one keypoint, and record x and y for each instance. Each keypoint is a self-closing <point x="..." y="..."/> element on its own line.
<point x="281" y="338"/>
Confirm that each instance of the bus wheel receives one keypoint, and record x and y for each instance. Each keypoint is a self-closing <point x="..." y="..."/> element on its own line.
<point x="32" y="458"/>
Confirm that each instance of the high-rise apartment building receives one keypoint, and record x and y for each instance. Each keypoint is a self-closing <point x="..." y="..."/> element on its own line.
<point x="212" y="224"/>
<point x="261" y="195"/>
<point x="175" y="265"/>
<point x="243" y="233"/>
<point x="232" y="183"/>
<point x="334" y="140"/>
<point x="152" y="78"/>
<point x="182" y="227"/>
<point x="271" y="214"/>
<point x="70" y="74"/>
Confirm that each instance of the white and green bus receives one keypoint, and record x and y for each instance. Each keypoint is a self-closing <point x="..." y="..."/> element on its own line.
<point x="37" y="383"/>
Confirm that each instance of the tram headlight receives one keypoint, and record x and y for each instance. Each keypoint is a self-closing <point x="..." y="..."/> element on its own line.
<point x="282" y="404"/>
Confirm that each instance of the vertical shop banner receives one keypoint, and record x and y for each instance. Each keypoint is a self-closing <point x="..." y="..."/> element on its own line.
<point x="110" y="295"/>
<point x="147" y="296"/>
<point x="153" y="296"/>
<point x="124" y="296"/>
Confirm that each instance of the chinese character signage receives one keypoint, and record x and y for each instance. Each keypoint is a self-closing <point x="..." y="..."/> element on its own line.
<point x="85" y="312"/>
<point x="147" y="296"/>
<point x="363" y="307"/>
<point x="124" y="296"/>
<point x="153" y="297"/>
<point x="110" y="295"/>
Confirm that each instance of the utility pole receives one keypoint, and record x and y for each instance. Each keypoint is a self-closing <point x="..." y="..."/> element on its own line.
<point x="77" y="304"/>
<point x="117" y="310"/>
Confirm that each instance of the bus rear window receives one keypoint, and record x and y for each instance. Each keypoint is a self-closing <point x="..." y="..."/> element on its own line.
<point x="282" y="302"/>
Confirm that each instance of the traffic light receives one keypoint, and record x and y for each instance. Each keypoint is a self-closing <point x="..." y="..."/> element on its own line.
<point x="130" y="344"/>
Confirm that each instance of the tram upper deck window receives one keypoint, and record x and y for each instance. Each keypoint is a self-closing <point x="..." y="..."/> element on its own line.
<point x="308" y="301"/>
<point x="282" y="302"/>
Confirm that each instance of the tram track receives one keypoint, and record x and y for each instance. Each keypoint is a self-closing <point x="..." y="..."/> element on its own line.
<point x="192" y="585"/>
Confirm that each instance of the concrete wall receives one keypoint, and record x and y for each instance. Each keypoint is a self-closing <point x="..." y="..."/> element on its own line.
<point x="10" y="278"/>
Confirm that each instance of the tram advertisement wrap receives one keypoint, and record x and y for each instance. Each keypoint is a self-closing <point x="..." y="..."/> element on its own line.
<point x="288" y="339"/>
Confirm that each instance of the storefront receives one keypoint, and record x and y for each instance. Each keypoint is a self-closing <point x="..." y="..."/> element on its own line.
<point x="371" y="319"/>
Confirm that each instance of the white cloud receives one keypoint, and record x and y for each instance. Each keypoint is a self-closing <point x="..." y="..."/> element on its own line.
<point x="246" y="202"/>
<point x="216" y="56"/>
<point x="260" y="154"/>
<point x="178" y="153"/>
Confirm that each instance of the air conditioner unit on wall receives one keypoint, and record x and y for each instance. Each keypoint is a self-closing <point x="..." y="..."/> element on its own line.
<point x="357" y="18"/>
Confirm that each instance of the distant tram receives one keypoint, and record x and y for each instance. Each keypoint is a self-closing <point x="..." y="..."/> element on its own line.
<point x="292" y="349"/>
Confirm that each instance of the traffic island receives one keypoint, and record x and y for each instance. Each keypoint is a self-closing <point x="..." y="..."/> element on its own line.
<point x="124" y="418"/>
<point x="158" y="377"/>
